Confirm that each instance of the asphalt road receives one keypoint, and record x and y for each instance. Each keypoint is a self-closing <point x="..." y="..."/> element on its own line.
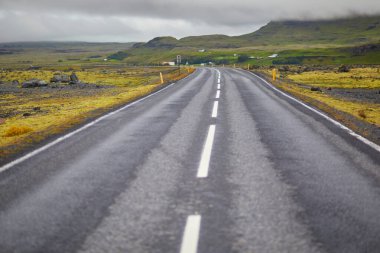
<point x="205" y="165"/>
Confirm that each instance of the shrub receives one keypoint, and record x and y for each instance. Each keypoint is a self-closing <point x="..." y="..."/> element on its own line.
<point x="118" y="56"/>
<point x="362" y="114"/>
<point x="289" y="61"/>
<point x="17" y="130"/>
<point x="243" y="58"/>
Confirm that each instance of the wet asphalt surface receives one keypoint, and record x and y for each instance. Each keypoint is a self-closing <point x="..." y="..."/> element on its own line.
<point x="281" y="178"/>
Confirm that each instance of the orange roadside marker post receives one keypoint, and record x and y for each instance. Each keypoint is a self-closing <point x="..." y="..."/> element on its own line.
<point x="274" y="74"/>
<point x="162" y="78"/>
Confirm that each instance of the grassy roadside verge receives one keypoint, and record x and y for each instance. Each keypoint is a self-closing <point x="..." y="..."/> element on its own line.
<point x="361" y="116"/>
<point x="30" y="116"/>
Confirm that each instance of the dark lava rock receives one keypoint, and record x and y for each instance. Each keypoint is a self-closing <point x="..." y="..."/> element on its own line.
<point x="27" y="114"/>
<point x="33" y="83"/>
<point x="60" y="78"/>
<point x="15" y="82"/>
<point x="34" y="67"/>
<point x="371" y="26"/>
<point x="363" y="49"/>
<point x="343" y="69"/>
<point x="74" y="78"/>
<point x="284" y="68"/>
<point x="37" y="109"/>
<point x="315" y="89"/>
<point x="307" y="69"/>
<point x="56" y="79"/>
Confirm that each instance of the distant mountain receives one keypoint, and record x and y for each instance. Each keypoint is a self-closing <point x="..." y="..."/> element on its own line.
<point x="347" y="31"/>
<point x="352" y="31"/>
<point x="206" y="41"/>
<point x="354" y="40"/>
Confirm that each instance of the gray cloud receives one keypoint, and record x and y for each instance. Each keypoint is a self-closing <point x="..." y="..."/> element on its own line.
<point x="124" y="20"/>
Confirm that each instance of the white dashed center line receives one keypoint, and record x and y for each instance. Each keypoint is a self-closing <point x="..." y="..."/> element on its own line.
<point x="191" y="234"/>
<point x="215" y="110"/>
<point x="206" y="154"/>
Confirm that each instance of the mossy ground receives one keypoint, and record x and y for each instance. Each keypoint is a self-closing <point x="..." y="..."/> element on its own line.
<point x="367" y="78"/>
<point x="46" y="112"/>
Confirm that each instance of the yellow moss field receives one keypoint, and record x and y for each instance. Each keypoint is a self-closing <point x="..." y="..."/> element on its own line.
<point x="56" y="111"/>
<point x="119" y="77"/>
<point x="366" y="78"/>
<point x="368" y="112"/>
<point x="364" y="111"/>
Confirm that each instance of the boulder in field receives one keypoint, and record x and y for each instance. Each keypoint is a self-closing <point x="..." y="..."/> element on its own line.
<point x="61" y="78"/>
<point x="315" y="89"/>
<point x="65" y="79"/>
<point x="15" y="82"/>
<point x="74" y="78"/>
<point x="343" y="69"/>
<point x="33" y="83"/>
<point x="284" y="69"/>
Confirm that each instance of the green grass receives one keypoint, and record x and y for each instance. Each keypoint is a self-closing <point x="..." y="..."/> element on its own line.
<point x="311" y="56"/>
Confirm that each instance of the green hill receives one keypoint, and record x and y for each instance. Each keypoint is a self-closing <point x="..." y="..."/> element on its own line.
<point x="295" y="42"/>
<point x="211" y="41"/>
<point x="349" y="31"/>
<point x="205" y="41"/>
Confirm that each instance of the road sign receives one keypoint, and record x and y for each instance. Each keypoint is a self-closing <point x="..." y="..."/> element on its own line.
<point x="179" y="59"/>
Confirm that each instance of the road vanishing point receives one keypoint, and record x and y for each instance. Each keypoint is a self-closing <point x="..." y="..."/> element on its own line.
<point x="220" y="161"/>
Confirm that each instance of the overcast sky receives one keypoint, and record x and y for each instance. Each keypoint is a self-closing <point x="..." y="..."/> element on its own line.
<point x="141" y="20"/>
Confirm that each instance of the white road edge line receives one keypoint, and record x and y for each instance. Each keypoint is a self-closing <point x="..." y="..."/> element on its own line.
<point x="191" y="234"/>
<point x="60" y="139"/>
<point x="349" y="131"/>
<point x="206" y="153"/>
<point x="217" y="94"/>
<point x="215" y="110"/>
